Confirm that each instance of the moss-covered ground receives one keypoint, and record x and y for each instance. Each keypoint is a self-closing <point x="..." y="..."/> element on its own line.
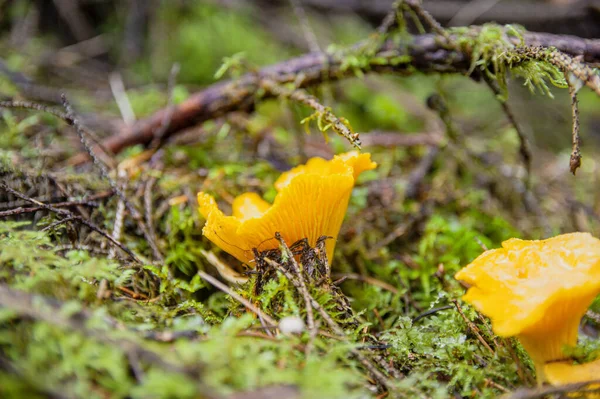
<point x="80" y="318"/>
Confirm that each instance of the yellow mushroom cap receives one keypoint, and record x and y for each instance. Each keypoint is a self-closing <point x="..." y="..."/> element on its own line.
<point x="536" y="290"/>
<point x="311" y="202"/>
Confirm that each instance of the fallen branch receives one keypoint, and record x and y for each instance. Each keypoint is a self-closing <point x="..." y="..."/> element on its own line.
<point x="426" y="54"/>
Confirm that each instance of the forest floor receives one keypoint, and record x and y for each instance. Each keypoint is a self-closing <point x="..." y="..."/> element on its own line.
<point x="108" y="287"/>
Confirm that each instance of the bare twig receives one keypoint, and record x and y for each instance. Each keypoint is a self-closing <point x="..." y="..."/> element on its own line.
<point x="68" y="214"/>
<point x="159" y="135"/>
<point x="575" y="161"/>
<point x="417" y="7"/>
<point x="302" y="284"/>
<point x="61" y="115"/>
<point x="430" y="312"/>
<point x="67" y="204"/>
<point x="119" y="216"/>
<point x="247" y="304"/>
<point x="309" y="34"/>
<point x="524" y="146"/>
<point x="473" y="328"/>
<point x="574" y="17"/>
<point x="105" y="174"/>
<point x="368" y="280"/>
<point x="52" y="226"/>
<point x="335" y="327"/>
<point x="341" y="127"/>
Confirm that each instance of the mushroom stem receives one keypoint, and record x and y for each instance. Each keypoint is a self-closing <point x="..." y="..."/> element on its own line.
<point x="567" y="373"/>
<point x="557" y="329"/>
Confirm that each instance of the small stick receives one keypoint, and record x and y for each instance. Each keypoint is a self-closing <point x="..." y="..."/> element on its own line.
<point x="524" y="145"/>
<point x="327" y="116"/>
<point x="104" y="171"/>
<point x="117" y="87"/>
<point x="575" y="161"/>
<point x="148" y="215"/>
<point x="119" y="215"/>
<point x="159" y="134"/>
<point x="378" y="375"/>
<point x="21" y="210"/>
<point x="496" y="385"/>
<point x="61" y="115"/>
<point x="430" y="312"/>
<point x="368" y="280"/>
<point x="57" y="223"/>
<point x="213" y="281"/>
<point x="309" y="34"/>
<point x="80" y="219"/>
<point x="473" y="327"/>
<point x="303" y="290"/>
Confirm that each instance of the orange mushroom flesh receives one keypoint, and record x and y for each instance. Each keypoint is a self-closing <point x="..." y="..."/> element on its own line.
<point x="537" y="291"/>
<point x="311" y="202"/>
<point x="560" y="373"/>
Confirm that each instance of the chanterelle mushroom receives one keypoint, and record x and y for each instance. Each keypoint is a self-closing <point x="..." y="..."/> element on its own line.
<point x="311" y="202"/>
<point x="537" y="291"/>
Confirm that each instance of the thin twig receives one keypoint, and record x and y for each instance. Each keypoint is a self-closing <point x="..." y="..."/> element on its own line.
<point x="67" y="204"/>
<point x="119" y="216"/>
<point x="575" y="161"/>
<point x="159" y="135"/>
<point x="104" y="171"/>
<point x="335" y="327"/>
<point x="302" y="284"/>
<point x="436" y="27"/>
<point x="322" y="112"/>
<point x="52" y="111"/>
<point x="368" y="280"/>
<point x="309" y="34"/>
<point x="52" y="226"/>
<point x="213" y="281"/>
<point x="524" y="145"/>
<point x="430" y="312"/>
<point x="390" y="20"/>
<point x="66" y="213"/>
<point x="473" y="328"/>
